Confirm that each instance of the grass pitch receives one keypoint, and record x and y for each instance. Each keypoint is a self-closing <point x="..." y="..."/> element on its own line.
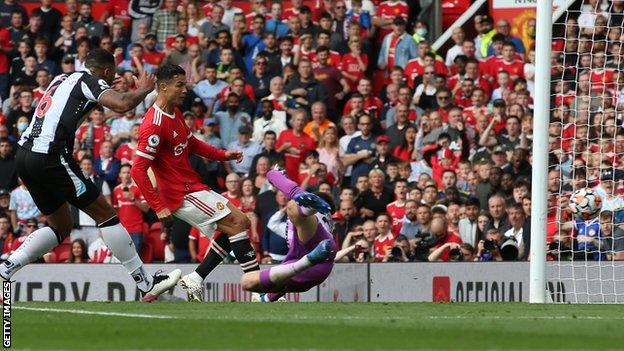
<point x="319" y="326"/>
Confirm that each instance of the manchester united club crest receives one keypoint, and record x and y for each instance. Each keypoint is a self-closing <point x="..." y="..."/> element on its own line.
<point x="220" y="206"/>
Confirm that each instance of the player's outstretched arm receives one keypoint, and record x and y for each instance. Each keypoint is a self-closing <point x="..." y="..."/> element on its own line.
<point x="123" y="102"/>
<point x="210" y="152"/>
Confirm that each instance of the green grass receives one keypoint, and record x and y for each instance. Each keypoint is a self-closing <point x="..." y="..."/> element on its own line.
<point x="320" y="326"/>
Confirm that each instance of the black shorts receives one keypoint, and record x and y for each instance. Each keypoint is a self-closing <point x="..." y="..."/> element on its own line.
<point x="53" y="179"/>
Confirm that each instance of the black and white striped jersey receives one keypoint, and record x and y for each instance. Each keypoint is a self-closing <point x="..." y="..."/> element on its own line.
<point x="60" y="111"/>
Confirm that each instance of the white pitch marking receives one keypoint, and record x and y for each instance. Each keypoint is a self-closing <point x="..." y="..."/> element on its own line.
<point x="97" y="313"/>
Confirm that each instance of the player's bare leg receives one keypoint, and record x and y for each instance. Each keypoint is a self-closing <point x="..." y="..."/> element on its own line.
<point x="300" y="210"/>
<point x="116" y="237"/>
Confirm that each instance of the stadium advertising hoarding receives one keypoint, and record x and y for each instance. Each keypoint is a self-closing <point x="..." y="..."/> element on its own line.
<point x="110" y="282"/>
<point x="383" y="282"/>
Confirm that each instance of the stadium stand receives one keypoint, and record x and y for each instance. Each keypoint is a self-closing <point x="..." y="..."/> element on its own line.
<point x="400" y="135"/>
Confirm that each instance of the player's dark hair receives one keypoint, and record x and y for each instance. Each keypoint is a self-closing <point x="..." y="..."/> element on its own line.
<point x="327" y="198"/>
<point x="168" y="71"/>
<point x="99" y="58"/>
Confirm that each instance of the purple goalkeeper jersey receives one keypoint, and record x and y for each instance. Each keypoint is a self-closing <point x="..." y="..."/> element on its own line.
<point x="314" y="275"/>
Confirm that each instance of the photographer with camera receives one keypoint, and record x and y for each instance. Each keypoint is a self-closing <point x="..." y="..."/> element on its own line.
<point x="515" y="214"/>
<point x="488" y="249"/>
<point x="439" y="229"/>
<point x="458" y="252"/>
<point x="357" y="253"/>
<point x="400" y="251"/>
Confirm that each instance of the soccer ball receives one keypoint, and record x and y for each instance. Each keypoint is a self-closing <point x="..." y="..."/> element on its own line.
<point x="585" y="204"/>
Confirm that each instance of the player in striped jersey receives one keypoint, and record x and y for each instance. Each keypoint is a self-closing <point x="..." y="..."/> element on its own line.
<point x="54" y="179"/>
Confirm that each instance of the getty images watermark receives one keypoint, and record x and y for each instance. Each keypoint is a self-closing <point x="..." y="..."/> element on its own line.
<point x="6" y="314"/>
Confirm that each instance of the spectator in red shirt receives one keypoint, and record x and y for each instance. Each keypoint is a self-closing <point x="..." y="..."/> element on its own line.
<point x="354" y="63"/>
<point x="385" y="239"/>
<point x="91" y="135"/>
<point x="439" y="228"/>
<point x="406" y="150"/>
<point x="5" y="236"/>
<point x="125" y="152"/>
<point x="150" y="54"/>
<point x="232" y="184"/>
<point x="372" y="104"/>
<point x="396" y="209"/>
<point x="295" y="144"/>
<point x="130" y="206"/>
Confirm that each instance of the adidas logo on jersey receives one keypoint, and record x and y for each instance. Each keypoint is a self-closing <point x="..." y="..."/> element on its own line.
<point x="175" y="134"/>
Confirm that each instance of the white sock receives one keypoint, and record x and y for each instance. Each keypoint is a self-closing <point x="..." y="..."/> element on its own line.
<point x="284" y="272"/>
<point x="195" y="277"/>
<point x="37" y="244"/>
<point x="121" y="245"/>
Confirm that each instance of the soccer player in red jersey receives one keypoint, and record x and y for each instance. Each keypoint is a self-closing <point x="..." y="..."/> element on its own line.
<point x="165" y="143"/>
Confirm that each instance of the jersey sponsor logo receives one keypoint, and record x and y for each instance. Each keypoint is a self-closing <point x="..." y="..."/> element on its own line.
<point x="103" y="84"/>
<point x="178" y="149"/>
<point x="153" y="140"/>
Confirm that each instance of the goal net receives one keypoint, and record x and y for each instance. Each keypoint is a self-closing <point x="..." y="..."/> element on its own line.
<point x="586" y="150"/>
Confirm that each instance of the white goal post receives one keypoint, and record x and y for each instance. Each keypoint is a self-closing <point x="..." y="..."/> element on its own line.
<point x="539" y="179"/>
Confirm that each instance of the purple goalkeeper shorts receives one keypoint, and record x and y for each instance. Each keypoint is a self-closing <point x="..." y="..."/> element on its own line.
<point x="314" y="275"/>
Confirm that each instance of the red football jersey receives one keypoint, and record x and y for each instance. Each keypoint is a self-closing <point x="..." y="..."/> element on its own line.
<point x="514" y="68"/>
<point x="303" y="143"/>
<point x="165" y="139"/>
<point x="397" y="213"/>
<point x="153" y="57"/>
<point x="381" y="245"/>
<point x="350" y="65"/>
<point x="119" y="10"/>
<point x="601" y="80"/>
<point x="130" y="215"/>
<point x="390" y="10"/>
<point x="333" y="60"/>
<point x="100" y="134"/>
<point x="125" y="153"/>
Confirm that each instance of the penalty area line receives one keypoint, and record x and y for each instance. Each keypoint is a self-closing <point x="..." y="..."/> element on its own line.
<point x="96" y="313"/>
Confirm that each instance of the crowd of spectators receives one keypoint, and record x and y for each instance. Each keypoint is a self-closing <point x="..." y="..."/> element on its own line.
<point x="427" y="154"/>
